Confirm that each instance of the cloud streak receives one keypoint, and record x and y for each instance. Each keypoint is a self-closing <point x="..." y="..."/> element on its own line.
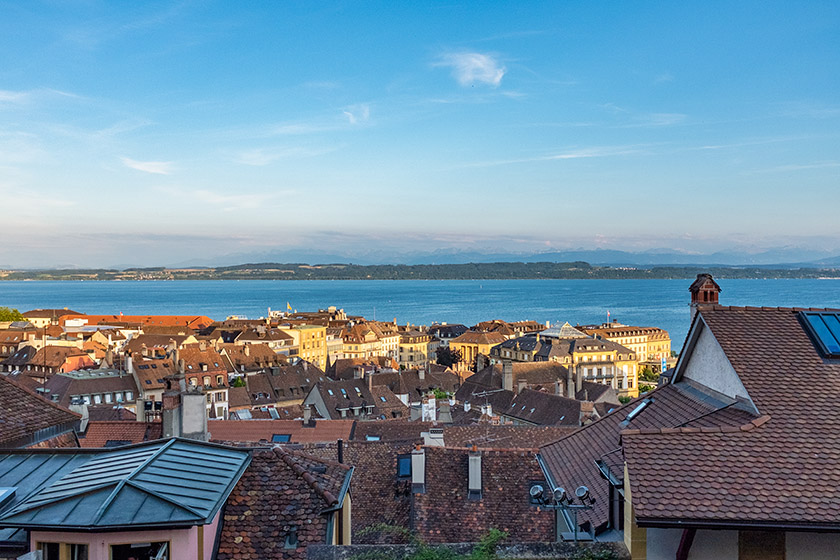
<point x="469" y="68"/>
<point x="154" y="167"/>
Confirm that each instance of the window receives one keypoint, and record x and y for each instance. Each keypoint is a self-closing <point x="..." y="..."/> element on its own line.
<point x="824" y="329"/>
<point x="403" y="466"/>
<point x="108" y="397"/>
<point x="281" y="438"/>
<point x="373" y="438"/>
<point x="156" y="551"/>
<point x="220" y="380"/>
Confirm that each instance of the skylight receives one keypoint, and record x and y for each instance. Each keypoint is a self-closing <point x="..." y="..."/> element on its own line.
<point x="636" y="411"/>
<point x="824" y="328"/>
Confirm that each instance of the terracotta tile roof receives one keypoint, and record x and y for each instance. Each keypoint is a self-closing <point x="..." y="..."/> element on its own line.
<point x="263" y="430"/>
<point x="345" y="368"/>
<point x="197" y="322"/>
<point x="151" y="372"/>
<point x="482" y="435"/>
<point x="408" y="382"/>
<point x="109" y="413"/>
<point x="26" y="418"/>
<point x="570" y="461"/>
<point x="473" y="337"/>
<point x="279" y="490"/>
<point x="444" y="513"/>
<point x="250" y="357"/>
<point x="137" y="343"/>
<point x="782" y="468"/>
<point x="114" y="433"/>
<point x="48" y="313"/>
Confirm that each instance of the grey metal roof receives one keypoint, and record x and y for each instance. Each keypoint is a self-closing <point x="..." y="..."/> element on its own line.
<point x="172" y="482"/>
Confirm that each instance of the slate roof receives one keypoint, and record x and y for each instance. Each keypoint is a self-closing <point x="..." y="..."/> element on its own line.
<point x="281" y="489"/>
<point x="344" y="368"/>
<point x="780" y="469"/>
<point x="140" y="486"/>
<point x="444" y="513"/>
<point x="26" y="418"/>
<point x="64" y="386"/>
<point x="545" y="409"/>
<point x="354" y="393"/>
<point x="570" y="462"/>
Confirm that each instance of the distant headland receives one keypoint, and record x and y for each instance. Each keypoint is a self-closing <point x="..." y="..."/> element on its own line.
<point x="468" y="271"/>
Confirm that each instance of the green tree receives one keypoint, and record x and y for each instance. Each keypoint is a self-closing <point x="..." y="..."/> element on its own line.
<point x="10" y="314"/>
<point x="448" y="357"/>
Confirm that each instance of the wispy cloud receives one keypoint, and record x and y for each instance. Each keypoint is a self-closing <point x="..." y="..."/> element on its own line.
<point x="801" y="166"/>
<point x="357" y="113"/>
<point x="469" y="68"/>
<point x="7" y="96"/>
<point x="155" y="167"/>
<point x="268" y="155"/>
<point x="582" y="153"/>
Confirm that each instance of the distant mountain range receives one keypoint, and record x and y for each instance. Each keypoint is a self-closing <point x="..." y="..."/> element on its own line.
<point x="775" y="258"/>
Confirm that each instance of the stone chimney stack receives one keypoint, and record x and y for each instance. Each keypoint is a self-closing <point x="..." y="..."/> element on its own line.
<point x="247" y="350"/>
<point x="520" y="385"/>
<point x="307" y="415"/>
<point x="418" y="471"/>
<point x="474" y="468"/>
<point x="578" y="379"/>
<point x="507" y="375"/>
<point x="704" y="292"/>
<point x="184" y="410"/>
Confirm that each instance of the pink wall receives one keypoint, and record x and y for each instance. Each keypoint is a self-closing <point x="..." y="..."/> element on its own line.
<point x="184" y="542"/>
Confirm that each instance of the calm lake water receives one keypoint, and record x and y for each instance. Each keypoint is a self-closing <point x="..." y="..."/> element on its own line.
<point x="661" y="303"/>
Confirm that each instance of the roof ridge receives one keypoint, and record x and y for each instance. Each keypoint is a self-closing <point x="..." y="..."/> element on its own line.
<point x="325" y="494"/>
<point x="749" y="426"/>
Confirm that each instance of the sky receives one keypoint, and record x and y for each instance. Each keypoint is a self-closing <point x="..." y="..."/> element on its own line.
<point x="154" y="133"/>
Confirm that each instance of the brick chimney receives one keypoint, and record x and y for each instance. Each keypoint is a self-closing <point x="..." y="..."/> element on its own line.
<point x="704" y="292"/>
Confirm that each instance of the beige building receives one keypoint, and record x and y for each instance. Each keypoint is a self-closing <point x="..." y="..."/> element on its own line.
<point x="650" y="344"/>
<point x="310" y="343"/>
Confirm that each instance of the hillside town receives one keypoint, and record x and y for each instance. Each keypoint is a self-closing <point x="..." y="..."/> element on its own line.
<point x="304" y="434"/>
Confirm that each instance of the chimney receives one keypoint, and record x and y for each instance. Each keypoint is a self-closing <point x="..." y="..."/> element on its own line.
<point x="507" y="375"/>
<point x="558" y="388"/>
<point x="129" y="364"/>
<point x="521" y="383"/>
<point x="467" y="406"/>
<point x="474" y="487"/>
<point x="247" y="350"/>
<point x="369" y="377"/>
<point x="140" y="409"/>
<point x="307" y="415"/>
<point x="445" y="415"/>
<point x="202" y="345"/>
<point x="704" y="291"/>
<point x="587" y="410"/>
<point x="184" y="412"/>
<point x="421" y="373"/>
<point x="418" y="471"/>
<point x="570" y="381"/>
<point x="480" y="362"/>
<point x="578" y="379"/>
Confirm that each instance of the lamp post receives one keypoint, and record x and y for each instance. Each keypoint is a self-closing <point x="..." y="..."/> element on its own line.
<point x="559" y="499"/>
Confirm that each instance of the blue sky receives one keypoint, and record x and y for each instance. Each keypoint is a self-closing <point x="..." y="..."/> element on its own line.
<point x="157" y="132"/>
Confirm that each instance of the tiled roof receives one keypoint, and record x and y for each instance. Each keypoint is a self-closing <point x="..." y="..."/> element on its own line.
<point x="65" y="386"/>
<point x="444" y="513"/>
<point x="571" y="461"/>
<point x="536" y="375"/>
<point x="354" y="394"/>
<point x="344" y="368"/>
<point x="122" y="432"/>
<point x="26" y="418"/>
<point x="783" y="468"/>
<point x="263" y="430"/>
<point x="408" y="382"/>
<point x="250" y="357"/>
<point x="473" y="337"/>
<point x="543" y="409"/>
<point x="280" y="490"/>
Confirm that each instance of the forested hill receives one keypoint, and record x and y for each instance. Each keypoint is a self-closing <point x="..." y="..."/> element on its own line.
<point x="469" y="271"/>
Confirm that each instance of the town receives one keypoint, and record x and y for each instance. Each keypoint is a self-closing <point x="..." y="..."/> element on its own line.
<point x="305" y="434"/>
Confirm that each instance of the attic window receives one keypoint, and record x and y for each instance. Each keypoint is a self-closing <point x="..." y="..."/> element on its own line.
<point x="382" y="399"/>
<point x="824" y="329"/>
<point x="330" y="392"/>
<point x="636" y="411"/>
<point x="281" y="438"/>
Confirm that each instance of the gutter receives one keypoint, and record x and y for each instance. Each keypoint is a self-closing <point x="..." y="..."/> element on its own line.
<point x="735" y="525"/>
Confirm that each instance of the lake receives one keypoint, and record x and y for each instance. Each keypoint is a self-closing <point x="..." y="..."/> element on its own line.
<point x="660" y="303"/>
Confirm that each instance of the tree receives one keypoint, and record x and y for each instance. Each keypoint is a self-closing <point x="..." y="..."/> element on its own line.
<point x="448" y="357"/>
<point x="10" y="314"/>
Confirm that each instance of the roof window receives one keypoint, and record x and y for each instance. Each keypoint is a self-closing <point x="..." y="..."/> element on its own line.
<point x="824" y="329"/>
<point x="281" y="438"/>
